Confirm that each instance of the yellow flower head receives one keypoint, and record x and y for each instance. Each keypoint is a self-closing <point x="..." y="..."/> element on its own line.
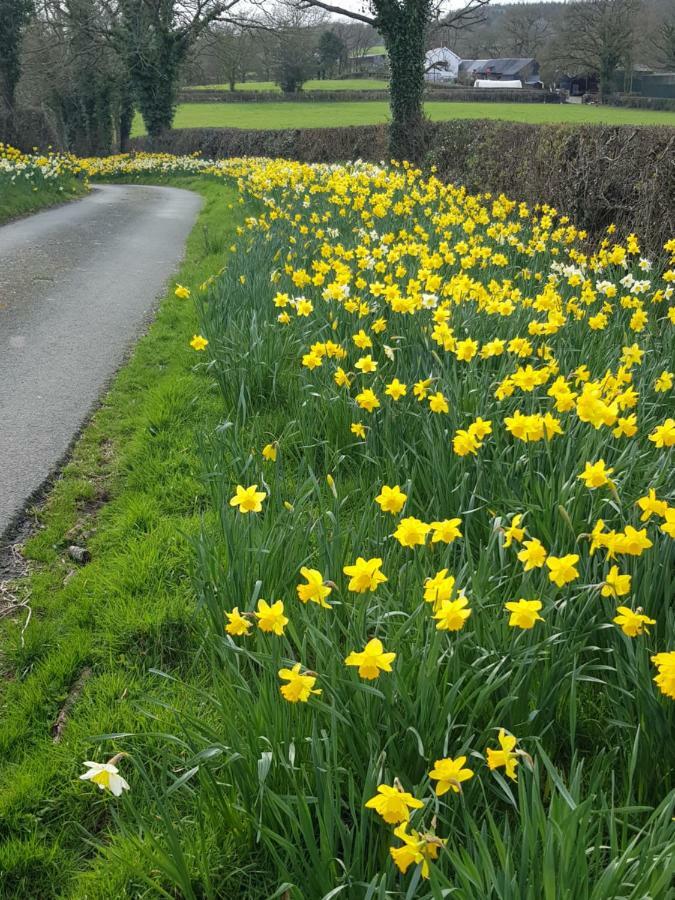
<point x="562" y="569"/>
<point x="237" y="625"/>
<point x="615" y="584"/>
<point x="596" y="474"/>
<point x="248" y="499"/>
<point x="271" y="617"/>
<point x="198" y="342"/>
<point x="451" y="615"/>
<point x="396" y="389"/>
<point x="315" y="590"/>
<point x="665" y="679"/>
<point x="450" y="773"/>
<point x="632" y="623"/>
<point x="393" y="804"/>
<point x="411" y="532"/>
<point x="371" y="660"/>
<point x="417" y="849"/>
<point x="533" y="554"/>
<point x="299" y="687"/>
<point x="505" y="756"/>
<point x="524" y="613"/>
<point x="391" y="499"/>
<point x="514" y="532"/>
<point x="364" y="575"/>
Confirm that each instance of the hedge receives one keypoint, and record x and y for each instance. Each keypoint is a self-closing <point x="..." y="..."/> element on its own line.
<point x="457" y="94"/>
<point x="28" y="128"/>
<point x="634" y="101"/>
<point x="597" y="174"/>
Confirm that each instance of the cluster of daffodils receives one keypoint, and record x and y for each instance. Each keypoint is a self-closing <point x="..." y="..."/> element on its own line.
<point x="58" y="170"/>
<point x="511" y="385"/>
<point x="481" y="291"/>
<point x="397" y="806"/>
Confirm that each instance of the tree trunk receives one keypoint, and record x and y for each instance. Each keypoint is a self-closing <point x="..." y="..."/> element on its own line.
<point x="126" y="117"/>
<point x="605" y="80"/>
<point x="404" y="32"/>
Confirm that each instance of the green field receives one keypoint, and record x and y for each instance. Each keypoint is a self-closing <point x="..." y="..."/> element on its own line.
<point x="329" y="84"/>
<point x="326" y="115"/>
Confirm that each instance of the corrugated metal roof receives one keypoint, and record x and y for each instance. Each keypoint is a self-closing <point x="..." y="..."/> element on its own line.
<point x="505" y="66"/>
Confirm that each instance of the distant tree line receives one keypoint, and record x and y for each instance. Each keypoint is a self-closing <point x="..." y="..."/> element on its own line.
<point x="90" y="64"/>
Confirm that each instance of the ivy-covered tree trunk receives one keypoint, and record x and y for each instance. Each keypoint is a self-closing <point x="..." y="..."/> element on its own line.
<point x="14" y="16"/>
<point x="404" y="29"/>
<point x="153" y="51"/>
<point x="157" y="94"/>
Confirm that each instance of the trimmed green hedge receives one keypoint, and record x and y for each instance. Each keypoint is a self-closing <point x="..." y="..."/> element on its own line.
<point x="28" y="128"/>
<point x="632" y="101"/>
<point x="454" y="94"/>
<point x="597" y="174"/>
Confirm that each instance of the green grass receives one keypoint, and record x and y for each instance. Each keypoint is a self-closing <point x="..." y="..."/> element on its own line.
<point x="20" y="199"/>
<point x="131" y="493"/>
<point x="326" y="115"/>
<point x="329" y="84"/>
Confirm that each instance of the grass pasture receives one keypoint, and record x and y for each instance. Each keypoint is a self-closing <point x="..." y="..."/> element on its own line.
<point x="327" y="115"/>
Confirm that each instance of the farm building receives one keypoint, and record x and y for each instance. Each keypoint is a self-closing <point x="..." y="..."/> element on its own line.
<point x="374" y="59"/>
<point x="579" y="84"/>
<point x="441" y="64"/>
<point x="646" y="82"/>
<point x="525" y="70"/>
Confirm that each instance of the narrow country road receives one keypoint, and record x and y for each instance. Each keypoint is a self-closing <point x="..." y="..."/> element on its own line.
<point x="77" y="285"/>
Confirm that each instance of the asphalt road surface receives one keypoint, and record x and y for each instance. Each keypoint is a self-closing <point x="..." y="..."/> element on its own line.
<point x="77" y="285"/>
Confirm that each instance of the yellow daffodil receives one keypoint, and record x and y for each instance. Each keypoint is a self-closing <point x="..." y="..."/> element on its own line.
<point x="271" y="618"/>
<point x="371" y="660"/>
<point x="315" y="589"/>
<point x="391" y="499"/>
<point x="524" y="613"/>
<point x="364" y="575"/>
<point x="450" y="773"/>
<point x="299" y="687"/>
<point x="248" y="499"/>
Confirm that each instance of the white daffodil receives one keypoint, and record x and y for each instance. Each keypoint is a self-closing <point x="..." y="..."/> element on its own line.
<point x="106" y="776"/>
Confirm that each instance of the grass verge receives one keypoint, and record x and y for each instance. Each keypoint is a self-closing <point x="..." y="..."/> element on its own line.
<point x="81" y="665"/>
<point x="21" y="199"/>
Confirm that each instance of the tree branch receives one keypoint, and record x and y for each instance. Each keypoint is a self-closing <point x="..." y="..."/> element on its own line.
<point x="338" y="10"/>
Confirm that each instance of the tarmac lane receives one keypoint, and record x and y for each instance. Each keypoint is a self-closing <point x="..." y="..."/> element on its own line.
<point x="78" y="285"/>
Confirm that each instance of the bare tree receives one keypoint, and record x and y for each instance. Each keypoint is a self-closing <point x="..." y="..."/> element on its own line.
<point x="599" y="36"/>
<point x="222" y="53"/>
<point x="405" y="26"/>
<point x="525" y="29"/>
<point x="664" y="43"/>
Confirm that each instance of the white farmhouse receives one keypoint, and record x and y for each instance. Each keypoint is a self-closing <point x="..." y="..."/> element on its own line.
<point x="441" y="64"/>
